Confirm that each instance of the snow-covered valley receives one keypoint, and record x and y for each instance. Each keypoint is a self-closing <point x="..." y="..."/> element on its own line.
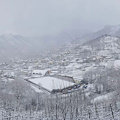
<point x="84" y="78"/>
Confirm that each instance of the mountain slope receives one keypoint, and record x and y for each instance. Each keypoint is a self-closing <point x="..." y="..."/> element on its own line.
<point x="104" y="42"/>
<point x="107" y="30"/>
<point x="16" y="46"/>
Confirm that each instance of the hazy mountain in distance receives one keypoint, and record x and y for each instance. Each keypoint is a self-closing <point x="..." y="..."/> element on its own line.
<point x="109" y="30"/>
<point x="17" y="46"/>
<point x="12" y="46"/>
<point x="78" y="35"/>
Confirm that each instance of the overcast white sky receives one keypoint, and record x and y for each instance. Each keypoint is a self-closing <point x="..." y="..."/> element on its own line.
<point x="40" y="17"/>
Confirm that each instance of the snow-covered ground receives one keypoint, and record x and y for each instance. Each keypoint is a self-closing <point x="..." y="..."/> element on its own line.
<point x="103" y="98"/>
<point x="51" y="83"/>
<point x="117" y="64"/>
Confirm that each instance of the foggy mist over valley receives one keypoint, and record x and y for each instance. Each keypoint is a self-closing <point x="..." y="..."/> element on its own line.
<point x="59" y="60"/>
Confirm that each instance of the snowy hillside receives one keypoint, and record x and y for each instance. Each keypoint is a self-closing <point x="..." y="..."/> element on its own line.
<point x="55" y="79"/>
<point x="28" y="81"/>
<point x="107" y="30"/>
<point x="16" y="46"/>
<point x="104" y="42"/>
<point x="12" y="46"/>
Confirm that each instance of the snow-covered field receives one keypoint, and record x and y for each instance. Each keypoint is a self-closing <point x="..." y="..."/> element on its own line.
<point x="51" y="83"/>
